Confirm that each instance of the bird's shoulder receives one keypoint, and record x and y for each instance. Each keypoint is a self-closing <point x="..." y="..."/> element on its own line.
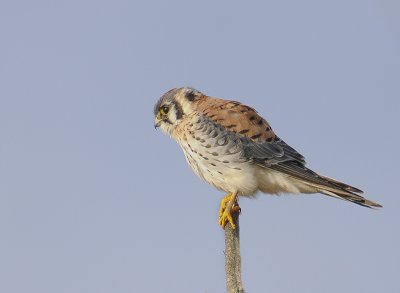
<point x="237" y="118"/>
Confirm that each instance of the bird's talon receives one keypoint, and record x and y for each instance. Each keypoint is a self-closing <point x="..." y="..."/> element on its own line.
<point x="224" y="202"/>
<point x="227" y="217"/>
<point x="229" y="206"/>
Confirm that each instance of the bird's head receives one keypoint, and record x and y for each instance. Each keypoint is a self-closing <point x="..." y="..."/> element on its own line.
<point x="173" y="106"/>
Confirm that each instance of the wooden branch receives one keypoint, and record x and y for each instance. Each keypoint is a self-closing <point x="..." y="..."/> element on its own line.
<point x="232" y="257"/>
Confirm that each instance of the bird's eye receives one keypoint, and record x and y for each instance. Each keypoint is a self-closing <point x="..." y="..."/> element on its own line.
<point x="164" y="110"/>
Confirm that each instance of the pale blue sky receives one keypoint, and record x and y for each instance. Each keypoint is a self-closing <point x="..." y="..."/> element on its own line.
<point x="93" y="199"/>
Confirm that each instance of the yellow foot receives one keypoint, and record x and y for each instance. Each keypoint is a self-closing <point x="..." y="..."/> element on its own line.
<point x="224" y="202"/>
<point x="228" y="207"/>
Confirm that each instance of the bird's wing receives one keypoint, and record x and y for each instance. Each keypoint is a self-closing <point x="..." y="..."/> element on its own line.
<point x="237" y="118"/>
<point x="263" y="147"/>
<point x="259" y="141"/>
<point x="281" y="157"/>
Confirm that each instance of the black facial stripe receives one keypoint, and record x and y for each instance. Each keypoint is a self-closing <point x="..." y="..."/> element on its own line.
<point x="179" y="110"/>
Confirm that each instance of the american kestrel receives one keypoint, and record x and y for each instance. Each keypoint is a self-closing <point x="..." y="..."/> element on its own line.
<point x="231" y="147"/>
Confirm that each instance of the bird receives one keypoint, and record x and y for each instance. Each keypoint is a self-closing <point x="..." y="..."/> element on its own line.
<point x="231" y="147"/>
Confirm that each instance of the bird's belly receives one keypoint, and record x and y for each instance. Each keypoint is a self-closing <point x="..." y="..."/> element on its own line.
<point x="227" y="172"/>
<point x="274" y="182"/>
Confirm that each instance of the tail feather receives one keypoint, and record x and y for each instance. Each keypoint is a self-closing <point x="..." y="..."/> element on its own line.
<point x="341" y="185"/>
<point x="354" y="198"/>
<point x="345" y="192"/>
<point x="325" y="185"/>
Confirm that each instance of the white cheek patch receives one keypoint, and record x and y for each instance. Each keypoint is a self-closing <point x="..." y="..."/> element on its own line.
<point x="166" y="128"/>
<point x="172" y="115"/>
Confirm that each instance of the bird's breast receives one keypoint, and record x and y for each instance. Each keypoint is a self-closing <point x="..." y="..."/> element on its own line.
<point x="216" y="156"/>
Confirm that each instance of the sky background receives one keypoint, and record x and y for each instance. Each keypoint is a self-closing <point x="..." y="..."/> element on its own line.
<point x="93" y="199"/>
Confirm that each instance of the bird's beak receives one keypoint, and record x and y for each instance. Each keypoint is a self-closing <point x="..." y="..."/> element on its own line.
<point x="157" y="123"/>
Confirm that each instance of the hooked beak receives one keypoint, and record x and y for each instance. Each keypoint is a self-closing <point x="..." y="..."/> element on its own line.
<point x="157" y="123"/>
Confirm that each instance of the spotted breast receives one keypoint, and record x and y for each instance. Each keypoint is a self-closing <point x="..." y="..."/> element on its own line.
<point x="216" y="155"/>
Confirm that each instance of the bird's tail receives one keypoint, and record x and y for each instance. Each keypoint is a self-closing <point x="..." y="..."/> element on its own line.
<point x="325" y="185"/>
<point x="343" y="191"/>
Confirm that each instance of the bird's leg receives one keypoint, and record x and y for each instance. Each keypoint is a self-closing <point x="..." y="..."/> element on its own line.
<point x="229" y="205"/>
<point x="224" y="201"/>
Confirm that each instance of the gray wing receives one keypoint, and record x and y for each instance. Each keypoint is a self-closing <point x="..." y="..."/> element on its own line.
<point x="270" y="153"/>
<point x="281" y="157"/>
